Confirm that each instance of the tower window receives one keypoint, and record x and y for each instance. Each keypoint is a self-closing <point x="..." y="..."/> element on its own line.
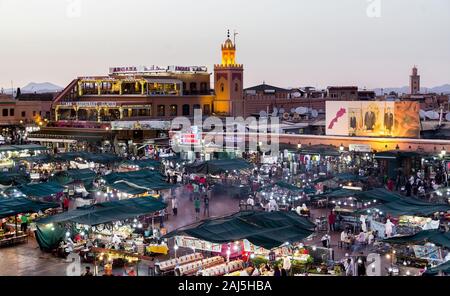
<point x="236" y="87"/>
<point x="222" y="88"/>
<point x="161" y="110"/>
<point x="186" y="109"/>
<point x="173" y="110"/>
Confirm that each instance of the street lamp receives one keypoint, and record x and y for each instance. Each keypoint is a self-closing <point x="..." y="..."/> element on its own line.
<point x="341" y="148"/>
<point x="443" y="152"/>
<point x="299" y="146"/>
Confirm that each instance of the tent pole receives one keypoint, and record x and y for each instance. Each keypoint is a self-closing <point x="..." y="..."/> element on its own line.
<point x="15" y="222"/>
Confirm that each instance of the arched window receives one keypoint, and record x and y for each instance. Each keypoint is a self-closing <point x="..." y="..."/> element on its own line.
<point x="236" y="87"/>
<point x="193" y="87"/>
<point x="173" y="110"/>
<point x="206" y="109"/>
<point x="161" y="110"/>
<point x="222" y="87"/>
<point x="186" y="110"/>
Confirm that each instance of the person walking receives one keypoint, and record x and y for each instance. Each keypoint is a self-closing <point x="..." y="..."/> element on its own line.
<point x="332" y="221"/>
<point x="175" y="206"/>
<point x="206" y="206"/>
<point x="197" y="207"/>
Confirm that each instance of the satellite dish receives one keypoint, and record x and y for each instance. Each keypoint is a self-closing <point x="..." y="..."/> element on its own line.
<point x="447" y="117"/>
<point x="422" y="114"/>
<point x="281" y="111"/>
<point x="301" y="110"/>
<point x="314" y="113"/>
<point x="292" y="110"/>
<point x="285" y="116"/>
<point x="296" y="116"/>
<point x="433" y="115"/>
<point x="275" y="110"/>
<point x="297" y="95"/>
<point x="263" y="114"/>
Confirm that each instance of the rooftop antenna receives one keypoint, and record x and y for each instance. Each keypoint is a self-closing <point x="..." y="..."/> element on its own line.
<point x="234" y="37"/>
<point x="228" y="33"/>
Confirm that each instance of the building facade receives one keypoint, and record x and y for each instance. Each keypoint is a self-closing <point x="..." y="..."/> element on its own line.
<point x="27" y="108"/>
<point x="414" y="82"/>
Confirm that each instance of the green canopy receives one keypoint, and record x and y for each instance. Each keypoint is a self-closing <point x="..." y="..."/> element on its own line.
<point x="282" y="184"/>
<point x="144" y="163"/>
<point x="215" y="167"/>
<point x="107" y="212"/>
<point x="19" y="205"/>
<point x="338" y="193"/>
<point x="444" y="268"/>
<point x="436" y="237"/>
<point x="265" y="229"/>
<point x="66" y="177"/>
<point x="142" y="179"/>
<point x="41" y="158"/>
<point x="48" y="238"/>
<point x="15" y="148"/>
<point x="103" y="158"/>
<point x="397" y="154"/>
<point x="323" y="150"/>
<point x="409" y="206"/>
<point x="124" y="187"/>
<point x="41" y="189"/>
<point x="350" y="177"/>
<point x="13" y="178"/>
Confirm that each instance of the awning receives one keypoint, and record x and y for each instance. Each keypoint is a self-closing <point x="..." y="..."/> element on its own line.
<point x="15" y="148"/>
<point x="104" y="213"/>
<point x="144" y="163"/>
<point x="143" y="179"/>
<point x="264" y="229"/>
<point x="215" y="167"/>
<point x="444" y="268"/>
<point x="13" y="206"/>
<point x="125" y="188"/>
<point x="41" y="189"/>
<point x="436" y="237"/>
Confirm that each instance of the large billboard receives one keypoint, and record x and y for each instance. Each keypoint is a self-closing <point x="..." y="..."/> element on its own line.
<point x="373" y="119"/>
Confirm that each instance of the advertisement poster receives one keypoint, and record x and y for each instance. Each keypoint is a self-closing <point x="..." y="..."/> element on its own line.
<point x="373" y="119"/>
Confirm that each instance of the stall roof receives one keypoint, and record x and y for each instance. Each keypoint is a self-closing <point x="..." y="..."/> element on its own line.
<point x="143" y="179"/>
<point x="83" y="175"/>
<point x="218" y="166"/>
<point x="397" y="154"/>
<point x="41" y="189"/>
<point x="350" y="177"/>
<point x="444" y="267"/>
<point x="324" y="150"/>
<point x="32" y="147"/>
<point x="42" y="158"/>
<point x="11" y="178"/>
<point x="103" y="158"/>
<point x="13" y="206"/>
<point x="265" y="229"/>
<point x="107" y="212"/>
<point x="124" y="187"/>
<point x="411" y="207"/>
<point x="436" y="237"/>
<point x="144" y="163"/>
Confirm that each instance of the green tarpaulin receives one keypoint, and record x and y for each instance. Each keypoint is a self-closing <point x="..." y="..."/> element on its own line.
<point x="15" y="148"/>
<point x="265" y="229"/>
<point x="103" y="158"/>
<point x="444" y="268"/>
<point x="436" y="237"/>
<point x="13" y="206"/>
<point x="42" y="158"/>
<point x="350" y="177"/>
<point x="48" y="238"/>
<point x="144" y="163"/>
<point x="70" y="176"/>
<point x="323" y="150"/>
<point x="13" y="178"/>
<point x="282" y="184"/>
<point x="215" y="167"/>
<point x="41" y="189"/>
<point x="107" y="212"/>
<point x="125" y="188"/>
<point x="142" y="179"/>
<point x="411" y="207"/>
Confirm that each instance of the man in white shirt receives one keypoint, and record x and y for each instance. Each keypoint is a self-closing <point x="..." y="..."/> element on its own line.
<point x="250" y="201"/>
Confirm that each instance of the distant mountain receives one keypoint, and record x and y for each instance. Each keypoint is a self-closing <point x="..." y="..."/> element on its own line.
<point x="39" y="88"/>
<point x="405" y="90"/>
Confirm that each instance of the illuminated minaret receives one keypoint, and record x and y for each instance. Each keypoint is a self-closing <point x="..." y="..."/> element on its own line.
<point x="229" y="82"/>
<point x="414" y="82"/>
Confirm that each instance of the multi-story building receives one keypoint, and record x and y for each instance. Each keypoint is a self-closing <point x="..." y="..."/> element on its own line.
<point x="414" y="82"/>
<point x="27" y="108"/>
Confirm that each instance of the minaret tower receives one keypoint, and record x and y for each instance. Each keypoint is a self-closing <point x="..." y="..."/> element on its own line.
<point x="414" y="82"/>
<point x="229" y="82"/>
